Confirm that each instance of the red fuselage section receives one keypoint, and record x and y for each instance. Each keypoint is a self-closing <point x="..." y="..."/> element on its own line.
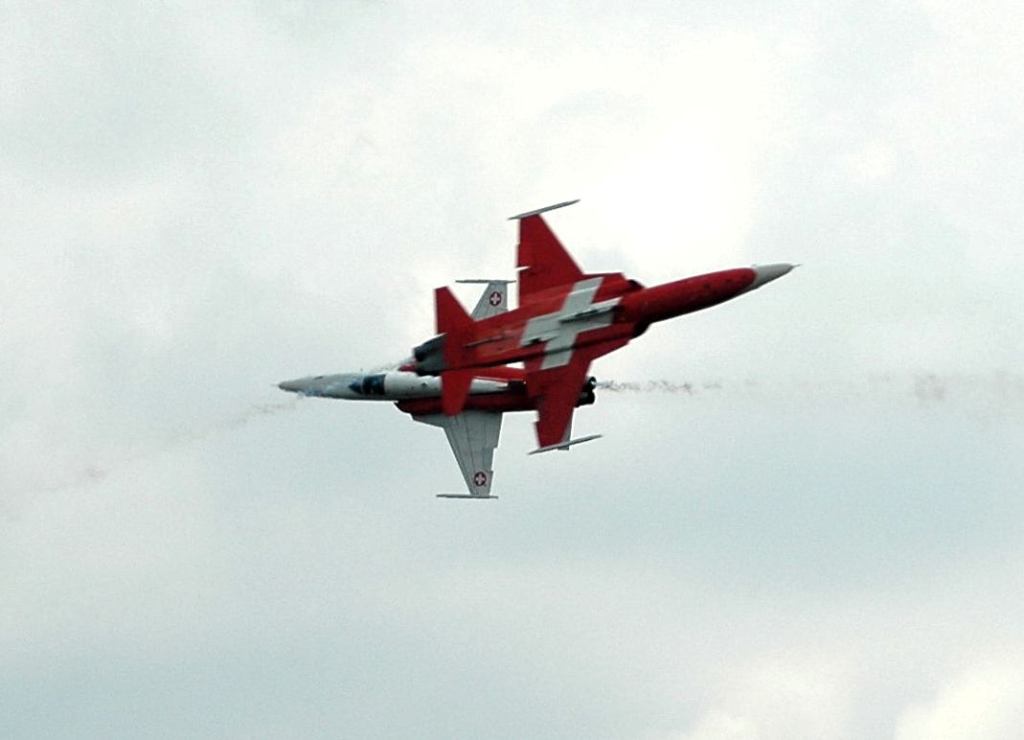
<point x="619" y="309"/>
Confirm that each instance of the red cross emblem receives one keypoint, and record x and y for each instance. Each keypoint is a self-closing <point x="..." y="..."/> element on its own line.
<point x="495" y="298"/>
<point x="480" y="478"/>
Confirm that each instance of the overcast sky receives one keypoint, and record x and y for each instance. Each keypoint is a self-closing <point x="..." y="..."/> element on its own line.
<point x="821" y="535"/>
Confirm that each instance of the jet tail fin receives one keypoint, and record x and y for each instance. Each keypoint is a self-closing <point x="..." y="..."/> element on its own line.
<point x="449" y="314"/>
<point x="454" y="323"/>
<point x="494" y="299"/>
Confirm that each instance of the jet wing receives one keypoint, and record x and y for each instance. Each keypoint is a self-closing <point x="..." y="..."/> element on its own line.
<point x="543" y="261"/>
<point x="473" y="436"/>
<point x="557" y="390"/>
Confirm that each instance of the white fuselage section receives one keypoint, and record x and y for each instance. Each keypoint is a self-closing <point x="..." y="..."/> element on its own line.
<point x="395" y="385"/>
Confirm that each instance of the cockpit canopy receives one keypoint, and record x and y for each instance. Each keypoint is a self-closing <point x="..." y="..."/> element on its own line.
<point x="368" y="385"/>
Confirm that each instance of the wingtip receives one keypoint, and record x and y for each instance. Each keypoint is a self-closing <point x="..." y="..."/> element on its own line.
<point x="565" y="445"/>
<point x="545" y="209"/>
<point x="462" y="495"/>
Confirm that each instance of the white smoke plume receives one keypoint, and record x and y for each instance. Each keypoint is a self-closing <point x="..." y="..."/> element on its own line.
<point x="996" y="392"/>
<point x="101" y="469"/>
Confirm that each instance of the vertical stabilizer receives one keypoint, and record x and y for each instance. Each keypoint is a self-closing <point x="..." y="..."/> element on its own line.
<point x="455" y="390"/>
<point x="494" y="299"/>
<point x="454" y="323"/>
<point x="449" y="314"/>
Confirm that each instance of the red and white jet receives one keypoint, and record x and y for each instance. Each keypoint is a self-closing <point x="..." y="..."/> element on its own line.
<point x="473" y="432"/>
<point x="565" y="320"/>
<point x="463" y="380"/>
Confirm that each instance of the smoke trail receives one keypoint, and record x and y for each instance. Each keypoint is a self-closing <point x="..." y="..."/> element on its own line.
<point x="236" y="421"/>
<point x="98" y="471"/>
<point x="998" y="393"/>
<point x="647" y="386"/>
<point x="108" y="464"/>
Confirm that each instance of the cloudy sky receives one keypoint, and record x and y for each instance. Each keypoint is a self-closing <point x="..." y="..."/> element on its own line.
<point x="821" y="534"/>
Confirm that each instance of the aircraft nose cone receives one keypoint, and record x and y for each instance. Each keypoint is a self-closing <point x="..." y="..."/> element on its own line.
<point x="292" y="386"/>
<point x="766" y="273"/>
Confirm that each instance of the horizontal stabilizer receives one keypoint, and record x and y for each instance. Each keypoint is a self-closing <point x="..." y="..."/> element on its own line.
<point x="545" y="209"/>
<point x="565" y="445"/>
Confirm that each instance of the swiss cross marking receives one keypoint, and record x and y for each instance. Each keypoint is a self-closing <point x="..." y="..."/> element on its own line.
<point x="495" y="299"/>
<point x="480" y="478"/>
<point x="559" y="335"/>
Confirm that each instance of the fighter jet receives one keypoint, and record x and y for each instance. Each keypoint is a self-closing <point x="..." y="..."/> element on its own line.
<point x="463" y="379"/>
<point x="473" y="432"/>
<point x="565" y="320"/>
